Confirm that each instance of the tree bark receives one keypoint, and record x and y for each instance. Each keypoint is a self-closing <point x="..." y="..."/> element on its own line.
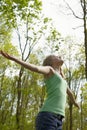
<point x="18" y="110"/>
<point x="70" y="109"/>
<point x="85" y="35"/>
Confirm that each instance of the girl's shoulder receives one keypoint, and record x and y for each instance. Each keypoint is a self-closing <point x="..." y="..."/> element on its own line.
<point x="50" y="74"/>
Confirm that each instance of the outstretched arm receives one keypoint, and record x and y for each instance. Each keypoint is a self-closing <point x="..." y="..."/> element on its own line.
<point x="32" y="67"/>
<point x="70" y="94"/>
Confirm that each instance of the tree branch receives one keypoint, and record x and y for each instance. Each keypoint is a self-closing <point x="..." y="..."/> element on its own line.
<point x="19" y="38"/>
<point x="72" y="10"/>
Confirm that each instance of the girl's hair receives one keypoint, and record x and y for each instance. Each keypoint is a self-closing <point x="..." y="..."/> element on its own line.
<point x="48" y="61"/>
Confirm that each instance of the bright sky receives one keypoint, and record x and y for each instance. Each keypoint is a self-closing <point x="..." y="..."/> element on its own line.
<point x="63" y="20"/>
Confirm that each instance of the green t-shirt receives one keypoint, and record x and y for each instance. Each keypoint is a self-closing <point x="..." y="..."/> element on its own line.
<point x="56" y="95"/>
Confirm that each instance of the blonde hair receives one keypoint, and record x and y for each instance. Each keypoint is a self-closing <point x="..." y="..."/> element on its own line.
<point x="48" y="61"/>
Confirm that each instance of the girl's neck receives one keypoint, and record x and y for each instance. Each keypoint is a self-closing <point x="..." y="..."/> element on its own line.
<point x="57" y="69"/>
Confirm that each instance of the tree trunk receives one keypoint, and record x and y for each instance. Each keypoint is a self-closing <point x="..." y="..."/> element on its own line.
<point x="70" y="116"/>
<point x="18" y="110"/>
<point x="70" y="103"/>
<point x="85" y="37"/>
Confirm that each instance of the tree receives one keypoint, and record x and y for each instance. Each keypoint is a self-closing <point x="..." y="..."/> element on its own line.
<point x="27" y="12"/>
<point x="83" y="4"/>
<point x="84" y="107"/>
<point x="30" y="25"/>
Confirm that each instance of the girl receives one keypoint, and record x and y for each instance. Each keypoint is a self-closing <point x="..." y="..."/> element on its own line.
<point x="53" y="110"/>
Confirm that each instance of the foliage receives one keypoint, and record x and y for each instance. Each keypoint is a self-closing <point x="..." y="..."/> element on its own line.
<point x="31" y="99"/>
<point x="11" y="8"/>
